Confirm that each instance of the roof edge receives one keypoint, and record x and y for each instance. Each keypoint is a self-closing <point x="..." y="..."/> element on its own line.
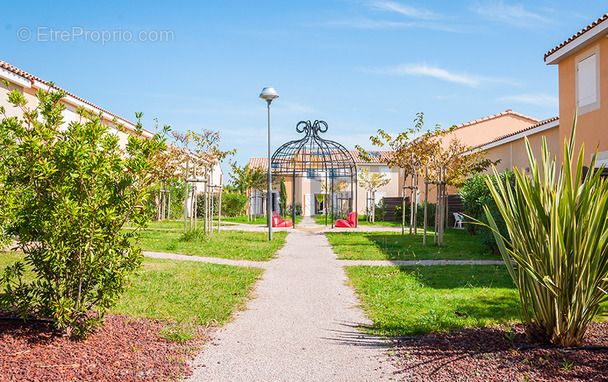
<point x="541" y="126"/>
<point x="577" y="41"/>
<point x="23" y="77"/>
<point x="494" y="116"/>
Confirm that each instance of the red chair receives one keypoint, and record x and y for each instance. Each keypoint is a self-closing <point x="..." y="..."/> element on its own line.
<point x="351" y="221"/>
<point x="278" y="222"/>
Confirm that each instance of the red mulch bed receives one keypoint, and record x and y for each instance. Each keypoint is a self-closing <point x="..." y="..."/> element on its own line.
<point x="123" y="350"/>
<point x="487" y="354"/>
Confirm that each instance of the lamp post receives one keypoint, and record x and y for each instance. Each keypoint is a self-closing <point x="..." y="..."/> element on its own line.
<point x="268" y="94"/>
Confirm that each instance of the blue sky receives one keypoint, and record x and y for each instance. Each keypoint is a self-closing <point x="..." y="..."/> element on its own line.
<point x="360" y="65"/>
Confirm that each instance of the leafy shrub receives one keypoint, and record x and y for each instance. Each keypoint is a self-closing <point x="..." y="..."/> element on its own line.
<point x="298" y="209"/>
<point x="419" y="215"/>
<point x="476" y="195"/>
<point x="73" y="188"/>
<point x="380" y="210"/>
<point x="233" y="204"/>
<point x="177" y="190"/>
<point x="283" y="197"/>
<point x="201" y="201"/>
<point x="558" y="237"/>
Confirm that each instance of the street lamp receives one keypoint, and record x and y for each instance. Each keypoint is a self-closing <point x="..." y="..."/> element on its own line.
<point x="268" y="94"/>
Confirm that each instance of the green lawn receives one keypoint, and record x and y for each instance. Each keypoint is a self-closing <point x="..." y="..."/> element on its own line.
<point x="457" y="245"/>
<point x="238" y="245"/>
<point x="418" y="300"/>
<point x="163" y="224"/>
<point x="186" y="294"/>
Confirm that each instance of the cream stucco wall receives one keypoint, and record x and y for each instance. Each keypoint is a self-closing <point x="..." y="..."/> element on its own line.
<point x="485" y="130"/>
<point x="513" y="153"/>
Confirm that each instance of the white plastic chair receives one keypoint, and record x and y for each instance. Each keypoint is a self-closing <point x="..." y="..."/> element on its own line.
<point x="457" y="220"/>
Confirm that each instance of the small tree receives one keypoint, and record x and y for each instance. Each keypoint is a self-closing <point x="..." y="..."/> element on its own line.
<point x="73" y="188"/>
<point x="246" y="179"/>
<point x="371" y="182"/>
<point x="416" y="149"/>
<point x="283" y="197"/>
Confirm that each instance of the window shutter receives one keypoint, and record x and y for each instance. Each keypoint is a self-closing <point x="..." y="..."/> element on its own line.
<point x="587" y="81"/>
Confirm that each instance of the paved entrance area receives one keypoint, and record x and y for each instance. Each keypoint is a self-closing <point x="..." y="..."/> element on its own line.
<point x="301" y="325"/>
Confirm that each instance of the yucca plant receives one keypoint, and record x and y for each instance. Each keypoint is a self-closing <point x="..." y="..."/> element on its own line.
<point x="557" y="250"/>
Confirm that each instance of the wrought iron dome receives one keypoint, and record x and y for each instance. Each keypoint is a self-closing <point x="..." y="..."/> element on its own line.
<point x="313" y="155"/>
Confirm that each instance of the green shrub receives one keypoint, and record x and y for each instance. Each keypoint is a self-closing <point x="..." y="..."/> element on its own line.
<point x="380" y="211"/>
<point x="201" y="201"/>
<point x="176" y="210"/>
<point x="430" y="219"/>
<point x="73" y="189"/>
<point x="558" y="237"/>
<point x="476" y="194"/>
<point x="233" y="204"/>
<point x="283" y="197"/>
<point x="298" y="209"/>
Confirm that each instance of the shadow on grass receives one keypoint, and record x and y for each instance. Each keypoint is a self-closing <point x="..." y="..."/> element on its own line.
<point x="418" y="300"/>
<point x="458" y="314"/>
<point x="460" y="276"/>
<point x="457" y="245"/>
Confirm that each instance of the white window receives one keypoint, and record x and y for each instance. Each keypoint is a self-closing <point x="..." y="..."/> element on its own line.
<point x="587" y="93"/>
<point x="587" y="81"/>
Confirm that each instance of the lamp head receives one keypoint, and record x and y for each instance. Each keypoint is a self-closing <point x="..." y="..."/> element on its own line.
<point x="268" y="94"/>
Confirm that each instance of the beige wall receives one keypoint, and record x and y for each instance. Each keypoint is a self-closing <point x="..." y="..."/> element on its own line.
<point x="487" y="130"/>
<point x="28" y="93"/>
<point x="393" y="188"/>
<point x="69" y="114"/>
<point x="311" y="187"/>
<point x="514" y="154"/>
<point x="478" y="133"/>
<point x="592" y="127"/>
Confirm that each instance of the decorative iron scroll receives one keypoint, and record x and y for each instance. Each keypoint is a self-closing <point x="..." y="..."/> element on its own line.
<point x="312" y="128"/>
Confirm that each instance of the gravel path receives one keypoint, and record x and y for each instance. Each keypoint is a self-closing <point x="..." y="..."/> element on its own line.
<point x="214" y="260"/>
<point x="302" y="325"/>
<point x="344" y="263"/>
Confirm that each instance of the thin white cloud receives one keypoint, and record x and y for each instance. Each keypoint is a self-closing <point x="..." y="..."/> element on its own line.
<point x="406" y="10"/>
<point x="466" y="79"/>
<point x="510" y="14"/>
<point x="542" y="100"/>
<point x="366" y="23"/>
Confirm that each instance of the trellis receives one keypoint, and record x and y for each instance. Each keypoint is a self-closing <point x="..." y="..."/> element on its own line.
<point x="192" y="179"/>
<point x="319" y="159"/>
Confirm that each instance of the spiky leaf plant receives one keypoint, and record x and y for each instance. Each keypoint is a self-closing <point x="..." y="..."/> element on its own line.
<point x="557" y="250"/>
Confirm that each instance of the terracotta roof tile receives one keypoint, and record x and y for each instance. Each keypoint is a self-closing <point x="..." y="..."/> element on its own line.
<point x="32" y="79"/>
<point x="376" y="156"/>
<point x="261" y="163"/>
<point x="577" y="35"/>
<point x="532" y="127"/>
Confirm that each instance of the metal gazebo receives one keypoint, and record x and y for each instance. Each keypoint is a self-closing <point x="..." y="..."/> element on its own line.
<point x="315" y="158"/>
